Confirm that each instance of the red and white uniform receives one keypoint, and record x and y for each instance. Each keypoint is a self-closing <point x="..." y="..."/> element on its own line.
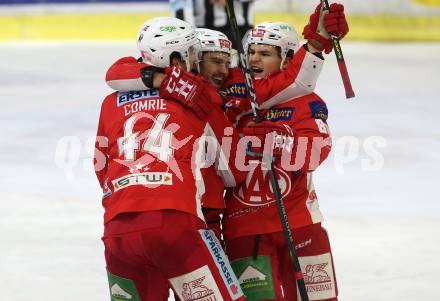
<point x="251" y="206"/>
<point x="148" y="161"/>
<point x="147" y="144"/>
<point x="251" y="223"/>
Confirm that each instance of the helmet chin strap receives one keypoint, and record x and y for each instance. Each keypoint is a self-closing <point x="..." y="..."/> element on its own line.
<point x="282" y="63"/>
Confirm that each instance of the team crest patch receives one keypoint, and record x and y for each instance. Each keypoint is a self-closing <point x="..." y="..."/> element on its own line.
<point x="319" y="110"/>
<point x="276" y="114"/>
<point x="318" y="276"/>
<point x="127" y="97"/>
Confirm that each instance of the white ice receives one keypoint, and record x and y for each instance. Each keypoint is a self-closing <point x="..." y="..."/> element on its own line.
<point x="384" y="223"/>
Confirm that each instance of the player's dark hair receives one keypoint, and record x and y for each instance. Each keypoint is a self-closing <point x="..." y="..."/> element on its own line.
<point x="289" y="54"/>
<point x="175" y="55"/>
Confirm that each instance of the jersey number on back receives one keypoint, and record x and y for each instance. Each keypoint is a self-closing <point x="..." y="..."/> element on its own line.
<point x="157" y="139"/>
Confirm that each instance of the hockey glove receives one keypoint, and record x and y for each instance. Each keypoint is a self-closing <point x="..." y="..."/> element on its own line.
<point x="189" y="90"/>
<point x="269" y="139"/>
<point x="322" y="24"/>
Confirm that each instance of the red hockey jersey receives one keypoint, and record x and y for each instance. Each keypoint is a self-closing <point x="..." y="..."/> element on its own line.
<point x="150" y="151"/>
<point x="250" y="207"/>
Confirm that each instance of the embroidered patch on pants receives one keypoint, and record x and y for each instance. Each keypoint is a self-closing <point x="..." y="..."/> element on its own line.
<point x="255" y="277"/>
<point x="197" y="285"/>
<point x="122" y="289"/>
<point x="318" y="276"/>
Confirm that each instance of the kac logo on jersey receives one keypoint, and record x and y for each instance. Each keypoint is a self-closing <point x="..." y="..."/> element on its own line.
<point x="257" y="191"/>
<point x="235" y="90"/>
<point x="279" y="114"/>
<point x="319" y="110"/>
<point x="127" y="97"/>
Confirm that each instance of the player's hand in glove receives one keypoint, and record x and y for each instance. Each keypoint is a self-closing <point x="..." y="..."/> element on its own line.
<point x="189" y="90"/>
<point x="269" y="138"/>
<point x="322" y="24"/>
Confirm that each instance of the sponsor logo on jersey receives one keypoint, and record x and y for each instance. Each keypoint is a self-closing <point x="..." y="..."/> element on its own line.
<point x="222" y="263"/>
<point x="319" y="110"/>
<point x="251" y="274"/>
<point x="235" y="90"/>
<point x="118" y="292"/>
<point x="196" y="290"/>
<point x="276" y="114"/>
<point x="318" y="276"/>
<point x="126" y="97"/>
<point x="144" y="178"/>
<point x="255" y="277"/>
<point x="316" y="273"/>
<point x="196" y="285"/>
<point x="256" y="191"/>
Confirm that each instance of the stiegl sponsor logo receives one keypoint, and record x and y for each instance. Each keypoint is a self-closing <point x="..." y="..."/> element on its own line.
<point x="144" y="178"/>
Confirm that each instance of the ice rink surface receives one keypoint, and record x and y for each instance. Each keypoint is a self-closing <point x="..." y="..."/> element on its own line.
<point x="383" y="219"/>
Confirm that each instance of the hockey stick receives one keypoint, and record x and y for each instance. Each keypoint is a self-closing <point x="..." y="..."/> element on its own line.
<point x="244" y="64"/>
<point x="349" y="93"/>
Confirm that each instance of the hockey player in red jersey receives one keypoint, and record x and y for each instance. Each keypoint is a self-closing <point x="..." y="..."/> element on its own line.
<point x="255" y="242"/>
<point x="236" y="94"/>
<point x="148" y="163"/>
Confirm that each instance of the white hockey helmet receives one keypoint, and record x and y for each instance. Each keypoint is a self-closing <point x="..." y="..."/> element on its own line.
<point x="158" y="38"/>
<point x="212" y="40"/>
<point x="278" y="34"/>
